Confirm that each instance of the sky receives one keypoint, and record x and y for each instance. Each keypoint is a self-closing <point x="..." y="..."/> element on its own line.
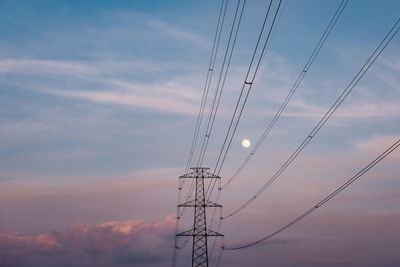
<point x="98" y="105"/>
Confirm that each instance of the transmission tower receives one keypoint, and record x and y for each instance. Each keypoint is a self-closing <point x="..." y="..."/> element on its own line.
<point x="199" y="233"/>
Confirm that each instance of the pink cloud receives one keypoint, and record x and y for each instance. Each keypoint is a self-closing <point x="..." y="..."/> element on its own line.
<point x="105" y="244"/>
<point x="130" y="98"/>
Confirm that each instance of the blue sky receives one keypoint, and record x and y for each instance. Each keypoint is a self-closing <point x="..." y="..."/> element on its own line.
<point x="98" y="102"/>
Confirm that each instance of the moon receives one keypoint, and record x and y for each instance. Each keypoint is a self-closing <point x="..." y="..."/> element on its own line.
<point x="246" y="143"/>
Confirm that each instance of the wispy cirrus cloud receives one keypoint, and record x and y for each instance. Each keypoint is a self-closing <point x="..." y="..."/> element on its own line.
<point x="178" y="34"/>
<point x="176" y="96"/>
<point x="301" y="108"/>
<point x="129" y="98"/>
<point x="392" y="63"/>
<point x="35" y="67"/>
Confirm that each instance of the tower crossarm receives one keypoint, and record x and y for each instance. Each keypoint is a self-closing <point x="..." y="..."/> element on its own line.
<point x="192" y="233"/>
<point x="207" y="203"/>
<point x="199" y="170"/>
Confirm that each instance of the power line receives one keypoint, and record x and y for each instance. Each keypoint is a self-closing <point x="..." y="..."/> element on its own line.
<point x="211" y="64"/>
<point x="296" y="84"/>
<point x="266" y="43"/>
<point x="210" y="70"/>
<point x="206" y="90"/>
<point x="214" y="52"/>
<point x="389" y="36"/>
<point x="265" y="46"/>
<point x="218" y="91"/>
<point x="246" y="82"/>
<point x="219" y="191"/>
<point x="219" y="88"/>
<point x="220" y="161"/>
<point x="209" y="192"/>
<point x="327" y="198"/>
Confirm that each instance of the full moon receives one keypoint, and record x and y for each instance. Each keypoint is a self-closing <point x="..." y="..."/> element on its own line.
<point x="246" y="143"/>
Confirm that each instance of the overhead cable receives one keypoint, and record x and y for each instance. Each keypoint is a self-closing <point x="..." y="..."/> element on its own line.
<point x="214" y="51"/>
<point x="220" y="87"/>
<point x="326" y="199"/>
<point x="389" y="36"/>
<point x="296" y="84"/>
<point x="247" y="83"/>
<point x="213" y="56"/>
<point x="235" y="119"/>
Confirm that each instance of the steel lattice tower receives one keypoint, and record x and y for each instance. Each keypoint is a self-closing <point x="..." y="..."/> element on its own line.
<point x="199" y="203"/>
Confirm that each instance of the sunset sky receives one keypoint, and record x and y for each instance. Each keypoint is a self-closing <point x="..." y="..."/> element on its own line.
<point x="98" y="105"/>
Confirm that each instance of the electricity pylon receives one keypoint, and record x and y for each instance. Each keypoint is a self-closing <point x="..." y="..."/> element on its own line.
<point x="199" y="233"/>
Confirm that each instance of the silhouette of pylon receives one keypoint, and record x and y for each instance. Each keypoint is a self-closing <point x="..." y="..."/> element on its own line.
<point x="199" y="233"/>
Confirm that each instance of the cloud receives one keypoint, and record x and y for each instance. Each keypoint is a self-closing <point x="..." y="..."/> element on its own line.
<point x="392" y="63"/>
<point x="103" y="82"/>
<point x="31" y="66"/>
<point x="168" y="103"/>
<point x="84" y="68"/>
<point x="178" y="33"/>
<point x="302" y="108"/>
<point x="105" y="244"/>
<point x="167" y="96"/>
